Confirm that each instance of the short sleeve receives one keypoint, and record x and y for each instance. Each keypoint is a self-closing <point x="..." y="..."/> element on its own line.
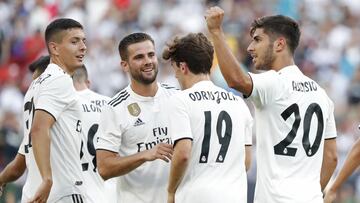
<point x="248" y="131"/>
<point x="109" y="133"/>
<point x="180" y="127"/>
<point x="264" y="91"/>
<point x="56" y="95"/>
<point x="22" y="147"/>
<point x="330" y="126"/>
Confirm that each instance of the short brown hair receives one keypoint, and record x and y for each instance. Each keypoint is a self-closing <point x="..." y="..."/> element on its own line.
<point x="194" y="49"/>
<point x="132" y="39"/>
<point x="279" y="25"/>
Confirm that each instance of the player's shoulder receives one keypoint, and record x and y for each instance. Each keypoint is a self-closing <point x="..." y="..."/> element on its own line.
<point x="99" y="96"/>
<point x="168" y="89"/>
<point x="119" y="98"/>
<point x="54" y="76"/>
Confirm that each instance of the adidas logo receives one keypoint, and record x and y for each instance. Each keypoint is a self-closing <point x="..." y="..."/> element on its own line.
<point x="138" y="122"/>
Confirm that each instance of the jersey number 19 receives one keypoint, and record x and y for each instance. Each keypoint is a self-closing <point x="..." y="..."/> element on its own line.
<point x="224" y="141"/>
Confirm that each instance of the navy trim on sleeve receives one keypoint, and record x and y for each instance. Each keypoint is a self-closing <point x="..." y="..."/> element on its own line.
<point x="46" y="112"/>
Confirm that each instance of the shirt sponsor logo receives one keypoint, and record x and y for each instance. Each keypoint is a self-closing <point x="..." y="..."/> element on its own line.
<point x="160" y="135"/>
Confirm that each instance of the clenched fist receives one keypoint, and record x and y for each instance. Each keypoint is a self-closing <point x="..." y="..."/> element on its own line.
<point x="214" y="17"/>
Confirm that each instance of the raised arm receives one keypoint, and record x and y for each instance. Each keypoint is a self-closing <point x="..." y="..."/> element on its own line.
<point x="230" y="68"/>
<point x="111" y="164"/>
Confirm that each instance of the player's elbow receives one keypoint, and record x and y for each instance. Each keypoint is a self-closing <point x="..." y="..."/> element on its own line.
<point x="184" y="158"/>
<point x="103" y="172"/>
<point x="332" y="159"/>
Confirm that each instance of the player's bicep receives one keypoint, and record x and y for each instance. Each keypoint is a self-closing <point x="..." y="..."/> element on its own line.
<point x="330" y="149"/>
<point x="247" y="157"/>
<point x="42" y="121"/>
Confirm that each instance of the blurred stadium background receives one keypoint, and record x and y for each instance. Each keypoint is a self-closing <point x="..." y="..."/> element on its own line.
<point x="329" y="52"/>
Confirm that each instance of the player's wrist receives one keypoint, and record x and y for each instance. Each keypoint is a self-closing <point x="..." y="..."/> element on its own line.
<point x="48" y="181"/>
<point x="216" y="32"/>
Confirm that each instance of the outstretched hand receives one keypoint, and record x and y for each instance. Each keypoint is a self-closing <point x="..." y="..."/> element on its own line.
<point x="214" y="17"/>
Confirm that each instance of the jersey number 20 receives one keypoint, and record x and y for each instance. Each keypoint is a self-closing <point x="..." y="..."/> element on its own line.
<point x="282" y="147"/>
<point x="224" y="117"/>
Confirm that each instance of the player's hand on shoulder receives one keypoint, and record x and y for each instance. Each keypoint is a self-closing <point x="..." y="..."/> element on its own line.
<point x="330" y="196"/>
<point x="214" y="17"/>
<point x="162" y="151"/>
<point x="42" y="194"/>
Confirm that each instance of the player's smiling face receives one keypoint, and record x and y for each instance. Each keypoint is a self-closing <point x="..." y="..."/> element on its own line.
<point x="142" y="62"/>
<point x="72" y="48"/>
<point x="261" y="50"/>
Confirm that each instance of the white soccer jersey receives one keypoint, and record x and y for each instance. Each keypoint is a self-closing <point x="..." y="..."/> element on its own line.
<point x="293" y="117"/>
<point x="91" y="104"/>
<point x="54" y="93"/>
<point x="219" y="125"/>
<point x="131" y="123"/>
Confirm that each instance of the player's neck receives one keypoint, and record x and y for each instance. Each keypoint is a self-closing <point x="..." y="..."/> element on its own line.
<point x="57" y="61"/>
<point x="282" y="62"/>
<point x="145" y="90"/>
<point x="80" y="86"/>
<point x="191" y="80"/>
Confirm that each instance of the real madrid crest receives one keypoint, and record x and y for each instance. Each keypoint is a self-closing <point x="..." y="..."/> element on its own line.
<point x="134" y="109"/>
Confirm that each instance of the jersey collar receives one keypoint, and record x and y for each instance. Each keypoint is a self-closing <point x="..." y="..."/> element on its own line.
<point x="289" y="70"/>
<point x="142" y="98"/>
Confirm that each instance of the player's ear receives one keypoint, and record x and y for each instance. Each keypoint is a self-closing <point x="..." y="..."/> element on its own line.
<point x="280" y="44"/>
<point x="53" y="48"/>
<point x="183" y="67"/>
<point x="87" y="82"/>
<point x="124" y="66"/>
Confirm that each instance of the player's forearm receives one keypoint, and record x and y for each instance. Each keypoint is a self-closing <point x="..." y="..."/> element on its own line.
<point x="230" y="67"/>
<point x="112" y="165"/>
<point x="178" y="168"/>
<point x="179" y="163"/>
<point x="350" y="165"/>
<point x="329" y="162"/>
<point x="41" y="149"/>
<point x="13" y="170"/>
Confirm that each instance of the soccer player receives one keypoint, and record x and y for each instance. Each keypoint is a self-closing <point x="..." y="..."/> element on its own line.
<point x="91" y="104"/>
<point x="51" y="121"/>
<point x="351" y="163"/>
<point x="209" y="127"/>
<point x="16" y="168"/>
<point x="295" y="127"/>
<point x="134" y="142"/>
